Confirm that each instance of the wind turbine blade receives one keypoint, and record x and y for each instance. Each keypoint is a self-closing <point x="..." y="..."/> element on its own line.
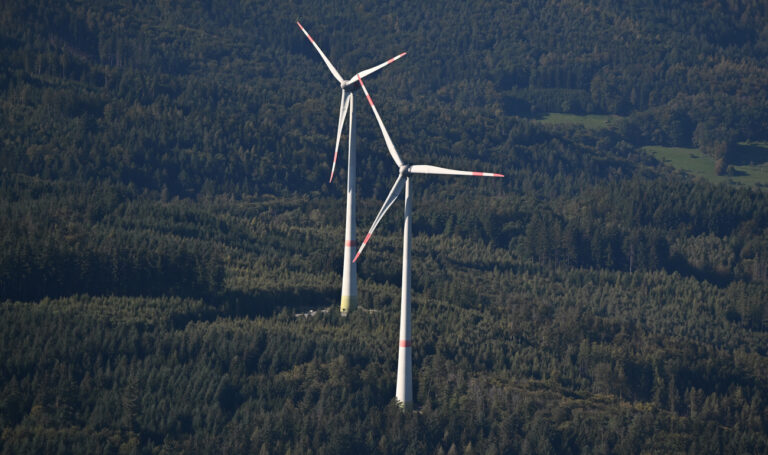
<point x="397" y="188"/>
<point x="325" y="59"/>
<point x="387" y="139"/>
<point x="342" y="116"/>
<point x="370" y="71"/>
<point x="427" y="169"/>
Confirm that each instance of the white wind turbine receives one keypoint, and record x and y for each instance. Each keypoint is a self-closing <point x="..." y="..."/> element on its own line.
<point x="404" y="391"/>
<point x="349" y="275"/>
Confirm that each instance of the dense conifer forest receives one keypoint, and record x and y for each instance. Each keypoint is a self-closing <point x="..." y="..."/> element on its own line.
<point x="166" y="222"/>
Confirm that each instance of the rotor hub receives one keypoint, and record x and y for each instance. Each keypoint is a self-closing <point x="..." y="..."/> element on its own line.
<point x="350" y="85"/>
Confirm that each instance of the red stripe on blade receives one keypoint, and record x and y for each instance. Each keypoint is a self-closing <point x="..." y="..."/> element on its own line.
<point x="361" y="247"/>
<point x="479" y="174"/>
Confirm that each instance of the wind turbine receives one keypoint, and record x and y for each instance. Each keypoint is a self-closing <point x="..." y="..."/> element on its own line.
<point x="349" y="275"/>
<point x="404" y="391"/>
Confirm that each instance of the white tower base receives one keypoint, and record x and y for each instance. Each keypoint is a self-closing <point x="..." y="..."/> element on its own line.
<point x="404" y="392"/>
<point x="349" y="274"/>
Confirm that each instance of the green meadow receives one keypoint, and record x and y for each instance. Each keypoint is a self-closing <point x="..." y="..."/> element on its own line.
<point x="591" y="121"/>
<point x="751" y="158"/>
<point x="751" y="166"/>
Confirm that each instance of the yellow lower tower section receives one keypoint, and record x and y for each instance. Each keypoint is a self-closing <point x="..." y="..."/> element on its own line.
<point x="348" y="303"/>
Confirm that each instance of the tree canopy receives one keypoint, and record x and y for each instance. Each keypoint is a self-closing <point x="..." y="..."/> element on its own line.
<point x="166" y="223"/>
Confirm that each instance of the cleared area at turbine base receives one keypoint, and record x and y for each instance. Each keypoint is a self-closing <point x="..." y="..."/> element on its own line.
<point x="406" y="407"/>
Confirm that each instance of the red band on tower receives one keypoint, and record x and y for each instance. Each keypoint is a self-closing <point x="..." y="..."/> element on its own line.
<point x="405" y="343"/>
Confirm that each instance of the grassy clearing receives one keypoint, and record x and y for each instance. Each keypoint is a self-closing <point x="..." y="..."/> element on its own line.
<point x="592" y="121"/>
<point x="750" y="159"/>
<point x="690" y="160"/>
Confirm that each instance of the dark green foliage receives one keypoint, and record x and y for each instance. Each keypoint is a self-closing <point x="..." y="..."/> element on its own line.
<point x="165" y="215"/>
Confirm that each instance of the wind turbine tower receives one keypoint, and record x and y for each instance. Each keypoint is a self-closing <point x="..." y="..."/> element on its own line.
<point x="349" y="275"/>
<point x="404" y="390"/>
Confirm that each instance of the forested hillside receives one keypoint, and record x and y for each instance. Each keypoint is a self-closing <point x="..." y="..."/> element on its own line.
<point x="165" y="214"/>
